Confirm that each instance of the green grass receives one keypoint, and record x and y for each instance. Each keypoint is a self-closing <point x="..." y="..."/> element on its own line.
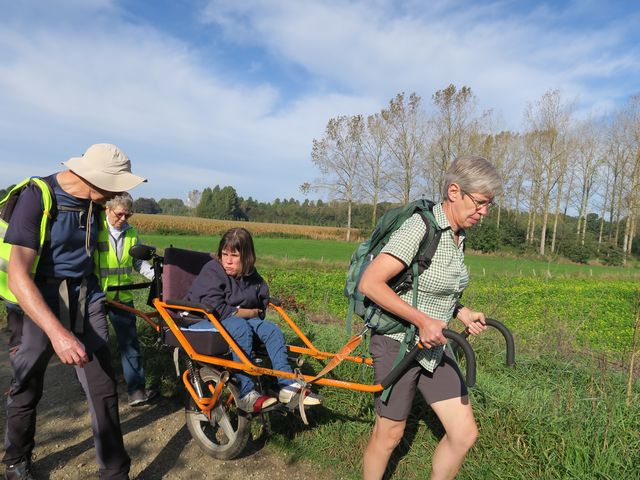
<point x="340" y="252"/>
<point x="283" y="248"/>
<point x="486" y="265"/>
<point x="545" y="418"/>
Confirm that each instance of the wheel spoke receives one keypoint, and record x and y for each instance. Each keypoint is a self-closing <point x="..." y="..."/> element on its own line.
<point x="226" y="434"/>
<point x="225" y="423"/>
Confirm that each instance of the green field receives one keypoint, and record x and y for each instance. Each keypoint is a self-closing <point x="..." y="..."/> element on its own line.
<point x="480" y="265"/>
<point x="284" y="248"/>
<point x="334" y="251"/>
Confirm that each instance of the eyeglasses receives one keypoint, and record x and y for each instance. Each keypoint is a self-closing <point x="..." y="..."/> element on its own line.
<point x="479" y="204"/>
<point x="122" y="214"/>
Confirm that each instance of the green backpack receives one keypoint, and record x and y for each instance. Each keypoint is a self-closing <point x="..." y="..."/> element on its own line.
<point x="383" y="322"/>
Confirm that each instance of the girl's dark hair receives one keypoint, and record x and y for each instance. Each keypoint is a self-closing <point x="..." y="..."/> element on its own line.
<point x="239" y="239"/>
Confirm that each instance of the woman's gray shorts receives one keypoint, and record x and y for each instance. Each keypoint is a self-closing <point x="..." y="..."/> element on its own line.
<point x="443" y="383"/>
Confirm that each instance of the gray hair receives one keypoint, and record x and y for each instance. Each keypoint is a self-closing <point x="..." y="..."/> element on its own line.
<point x="123" y="199"/>
<point x="473" y="175"/>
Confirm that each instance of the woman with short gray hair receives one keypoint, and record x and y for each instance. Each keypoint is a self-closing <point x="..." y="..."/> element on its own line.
<point x="124" y="200"/>
<point x="471" y="184"/>
<point x="114" y="267"/>
<point x="473" y="174"/>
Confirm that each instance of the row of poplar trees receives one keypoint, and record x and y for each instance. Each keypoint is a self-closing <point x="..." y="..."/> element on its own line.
<point x="556" y="165"/>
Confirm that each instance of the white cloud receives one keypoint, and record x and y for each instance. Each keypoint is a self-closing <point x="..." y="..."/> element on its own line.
<point x="82" y="73"/>
<point x="377" y="50"/>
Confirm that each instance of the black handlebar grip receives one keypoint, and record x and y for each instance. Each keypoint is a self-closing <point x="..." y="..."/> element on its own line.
<point x="469" y="354"/>
<point x="508" y="338"/>
<point x="399" y="369"/>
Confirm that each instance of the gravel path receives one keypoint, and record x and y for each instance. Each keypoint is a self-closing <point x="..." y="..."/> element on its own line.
<point x="156" y="438"/>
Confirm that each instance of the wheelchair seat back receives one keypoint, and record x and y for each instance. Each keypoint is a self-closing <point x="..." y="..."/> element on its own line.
<point x="180" y="268"/>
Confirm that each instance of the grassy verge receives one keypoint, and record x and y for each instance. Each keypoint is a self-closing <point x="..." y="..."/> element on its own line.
<point x="546" y="418"/>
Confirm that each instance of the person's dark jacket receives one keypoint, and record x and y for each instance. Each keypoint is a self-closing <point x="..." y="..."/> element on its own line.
<point x="214" y="288"/>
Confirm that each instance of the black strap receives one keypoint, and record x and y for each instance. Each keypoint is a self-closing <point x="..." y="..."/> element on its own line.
<point x="75" y="324"/>
<point x="63" y="208"/>
<point x="425" y="257"/>
<point x="403" y="282"/>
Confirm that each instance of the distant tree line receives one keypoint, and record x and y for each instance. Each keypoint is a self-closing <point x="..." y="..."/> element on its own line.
<point x="223" y="203"/>
<point x="4" y="191"/>
<point x="506" y="233"/>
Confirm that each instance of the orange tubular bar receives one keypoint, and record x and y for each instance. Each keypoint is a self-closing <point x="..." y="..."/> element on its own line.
<point x="245" y="364"/>
<point x="204" y="404"/>
<point x="312" y="350"/>
<point x="144" y="315"/>
<point x="217" y="391"/>
<point x="163" y="308"/>
<point x="294" y="327"/>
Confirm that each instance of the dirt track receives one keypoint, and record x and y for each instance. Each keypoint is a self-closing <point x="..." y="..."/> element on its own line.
<point x="156" y="438"/>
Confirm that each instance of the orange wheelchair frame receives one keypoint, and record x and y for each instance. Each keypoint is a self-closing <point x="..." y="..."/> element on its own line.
<point x="218" y="426"/>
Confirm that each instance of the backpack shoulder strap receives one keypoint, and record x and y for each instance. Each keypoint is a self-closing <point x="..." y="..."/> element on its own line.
<point x="426" y="250"/>
<point x="8" y="203"/>
<point x="48" y="196"/>
<point x="430" y="241"/>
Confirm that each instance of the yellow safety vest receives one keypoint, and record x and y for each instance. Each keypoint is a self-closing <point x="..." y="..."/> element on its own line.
<point x="5" y="248"/>
<point x="108" y="268"/>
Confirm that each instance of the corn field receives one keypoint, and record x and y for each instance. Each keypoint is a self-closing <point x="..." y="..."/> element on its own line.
<point x="176" y="225"/>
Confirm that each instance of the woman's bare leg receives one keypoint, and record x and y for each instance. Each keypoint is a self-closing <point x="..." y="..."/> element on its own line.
<point x="384" y="439"/>
<point x="457" y="419"/>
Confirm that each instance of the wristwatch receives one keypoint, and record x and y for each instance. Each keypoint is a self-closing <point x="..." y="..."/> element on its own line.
<point x="457" y="309"/>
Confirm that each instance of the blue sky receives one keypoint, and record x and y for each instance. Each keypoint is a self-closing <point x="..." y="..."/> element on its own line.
<point x="200" y="92"/>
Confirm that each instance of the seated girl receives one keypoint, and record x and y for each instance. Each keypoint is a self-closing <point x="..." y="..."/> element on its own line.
<point x="238" y="295"/>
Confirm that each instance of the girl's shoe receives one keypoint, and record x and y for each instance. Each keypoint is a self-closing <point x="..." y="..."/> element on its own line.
<point x="287" y="393"/>
<point x="254" y="402"/>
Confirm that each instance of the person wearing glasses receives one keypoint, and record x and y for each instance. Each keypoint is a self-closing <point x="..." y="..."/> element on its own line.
<point x="471" y="184"/>
<point x="114" y="266"/>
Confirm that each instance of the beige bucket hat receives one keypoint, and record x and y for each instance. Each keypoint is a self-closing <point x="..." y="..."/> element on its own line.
<point x="105" y="166"/>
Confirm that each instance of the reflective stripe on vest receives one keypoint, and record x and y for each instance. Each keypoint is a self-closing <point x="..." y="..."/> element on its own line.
<point x="105" y="272"/>
<point x="5" y="248"/>
<point x="110" y="270"/>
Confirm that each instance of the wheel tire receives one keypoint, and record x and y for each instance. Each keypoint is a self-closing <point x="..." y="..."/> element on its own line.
<point x="225" y="436"/>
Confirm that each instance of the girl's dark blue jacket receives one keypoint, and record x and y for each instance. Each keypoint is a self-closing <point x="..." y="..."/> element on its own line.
<point x="213" y="287"/>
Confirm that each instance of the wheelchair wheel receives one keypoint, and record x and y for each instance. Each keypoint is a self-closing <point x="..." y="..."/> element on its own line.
<point x="225" y="436"/>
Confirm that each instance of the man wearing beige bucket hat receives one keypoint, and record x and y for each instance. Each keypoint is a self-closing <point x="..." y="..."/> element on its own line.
<point x="63" y="302"/>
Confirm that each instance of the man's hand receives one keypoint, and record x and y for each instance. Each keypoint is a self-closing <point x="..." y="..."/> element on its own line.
<point x="65" y="344"/>
<point x="69" y="349"/>
<point x="474" y="321"/>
